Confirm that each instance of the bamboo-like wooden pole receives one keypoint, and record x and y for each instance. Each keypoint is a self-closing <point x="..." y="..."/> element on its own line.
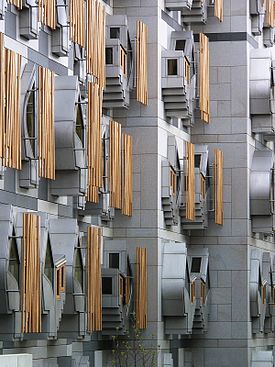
<point x="218" y="9"/>
<point x="204" y="82"/>
<point x="142" y="63"/>
<point x="77" y="21"/>
<point x="127" y="175"/>
<point x="17" y="3"/>
<point x="218" y="186"/>
<point x="115" y="163"/>
<point x="47" y="13"/>
<point x="190" y="181"/>
<point x="141" y="294"/>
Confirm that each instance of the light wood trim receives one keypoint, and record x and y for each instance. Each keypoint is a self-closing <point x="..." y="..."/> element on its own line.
<point x="218" y="9"/>
<point x="127" y="290"/>
<point x="190" y="181"/>
<point x="11" y="133"/>
<point x="94" y="146"/>
<point x="173" y="181"/>
<point x="31" y="279"/>
<point x="94" y="281"/>
<point x="203" y="186"/>
<point x="269" y="14"/>
<point x="187" y="71"/>
<point x="264" y="294"/>
<point x="193" y="292"/>
<point x="47" y="12"/>
<point x="123" y="60"/>
<point x="218" y="183"/>
<point x="2" y="94"/>
<point x="115" y="163"/>
<point x="142" y="63"/>
<point x="96" y="41"/>
<point x="127" y="175"/>
<point x="77" y="21"/>
<point x="17" y="3"/>
<point x="60" y="280"/>
<point x="141" y="299"/>
<point x="204" y="78"/>
<point x="46" y="141"/>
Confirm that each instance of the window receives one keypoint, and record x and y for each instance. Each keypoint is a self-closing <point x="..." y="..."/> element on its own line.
<point x="78" y="268"/>
<point x="173" y="181"/>
<point x="264" y="294"/>
<point x="58" y="293"/>
<point x="187" y="72"/>
<point x="121" y="289"/>
<point x="49" y="267"/>
<point x="60" y="280"/>
<point x="123" y="60"/>
<point x="114" y="260"/>
<point x="107" y="285"/>
<point x="180" y="45"/>
<point x="14" y="260"/>
<point x="196" y="265"/>
<point x="115" y="32"/>
<point x="109" y="54"/>
<point x="30" y="118"/>
<point x="203" y="292"/>
<point x="79" y="125"/>
<point x="172" y="67"/>
<point x="197" y="160"/>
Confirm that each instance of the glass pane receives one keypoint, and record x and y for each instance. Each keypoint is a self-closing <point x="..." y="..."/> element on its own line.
<point x="114" y="261"/>
<point x="78" y="268"/>
<point x="173" y="67"/>
<point x="109" y="55"/>
<point x="30" y="118"/>
<point x="79" y="125"/>
<point x="14" y="260"/>
<point x="114" y="32"/>
<point x="107" y="285"/>
<point x="196" y="265"/>
<point x="49" y="268"/>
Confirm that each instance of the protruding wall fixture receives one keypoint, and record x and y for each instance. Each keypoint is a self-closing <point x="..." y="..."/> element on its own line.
<point x="142" y="63"/>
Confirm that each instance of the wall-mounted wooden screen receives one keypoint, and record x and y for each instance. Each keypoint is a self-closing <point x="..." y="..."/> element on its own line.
<point x="96" y="41"/>
<point x="94" y="282"/>
<point x="218" y="9"/>
<point x="218" y="186"/>
<point x="141" y="296"/>
<point x="60" y="279"/>
<point x="17" y="3"/>
<point x="47" y="12"/>
<point x="142" y="63"/>
<point x="46" y="153"/>
<point x="10" y="114"/>
<point x="31" y="280"/>
<point x="190" y="181"/>
<point x="204" y="78"/>
<point x="77" y="21"/>
<point x="269" y="15"/>
<point x="127" y="175"/>
<point x="115" y="165"/>
<point x="94" y="150"/>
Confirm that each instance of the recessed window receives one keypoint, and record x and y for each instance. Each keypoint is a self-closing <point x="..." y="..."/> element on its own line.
<point x="78" y="268"/>
<point x="114" y="261"/>
<point x="196" y="265"/>
<point x="109" y="56"/>
<point x="49" y="268"/>
<point x="14" y="260"/>
<point x="197" y="160"/>
<point x="30" y="118"/>
<point x="180" y="45"/>
<point x="115" y="32"/>
<point x="79" y="125"/>
<point x="107" y="285"/>
<point x="172" y="67"/>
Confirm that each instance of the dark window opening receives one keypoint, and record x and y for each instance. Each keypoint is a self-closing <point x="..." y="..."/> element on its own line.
<point x="196" y="265"/>
<point x="109" y="56"/>
<point x="173" y="67"/>
<point x="115" y="32"/>
<point x="78" y="268"/>
<point x="107" y="285"/>
<point x="197" y="160"/>
<point x="180" y="45"/>
<point x="79" y="125"/>
<point x="58" y="283"/>
<point x="49" y="267"/>
<point x="30" y="118"/>
<point x="14" y="260"/>
<point x="114" y="261"/>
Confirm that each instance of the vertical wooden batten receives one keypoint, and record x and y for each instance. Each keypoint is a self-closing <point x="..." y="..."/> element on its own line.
<point x="94" y="150"/>
<point x="96" y="41"/>
<point x="77" y="21"/>
<point x="142" y="63"/>
<point x="127" y="175"/>
<point x="204" y="83"/>
<point x="94" y="281"/>
<point x="46" y="152"/>
<point x="218" y="186"/>
<point x="190" y="181"/>
<point x="47" y="13"/>
<point x="115" y="165"/>
<point x="218" y="9"/>
<point x="31" y="279"/>
<point x="141" y="296"/>
<point x="17" y="3"/>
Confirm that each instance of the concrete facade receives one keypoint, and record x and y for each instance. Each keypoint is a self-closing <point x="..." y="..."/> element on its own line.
<point x="211" y="299"/>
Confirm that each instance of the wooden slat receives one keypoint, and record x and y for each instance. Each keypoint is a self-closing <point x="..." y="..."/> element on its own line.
<point x="203" y="187"/>
<point x="218" y="9"/>
<point x="17" y="3"/>
<point x="94" y="146"/>
<point x="127" y="175"/>
<point x="77" y="21"/>
<point x="190" y="181"/>
<point x="269" y="14"/>
<point x="46" y="141"/>
<point x="10" y="120"/>
<point x="141" y="294"/>
<point x="94" y="281"/>
<point x="47" y="12"/>
<point x="31" y="284"/>
<point x="204" y="78"/>
<point x="115" y="164"/>
<point x="218" y="186"/>
<point x="2" y="94"/>
<point x="96" y="41"/>
<point x="142" y="63"/>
